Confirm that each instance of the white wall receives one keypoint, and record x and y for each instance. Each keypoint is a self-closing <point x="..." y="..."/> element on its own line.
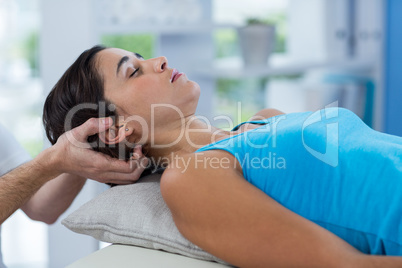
<point x="66" y="32"/>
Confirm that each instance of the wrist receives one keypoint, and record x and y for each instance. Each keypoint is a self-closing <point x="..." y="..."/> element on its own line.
<point x="48" y="163"/>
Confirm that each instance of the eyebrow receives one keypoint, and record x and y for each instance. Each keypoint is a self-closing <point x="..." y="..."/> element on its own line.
<point x="121" y="62"/>
<point x="125" y="59"/>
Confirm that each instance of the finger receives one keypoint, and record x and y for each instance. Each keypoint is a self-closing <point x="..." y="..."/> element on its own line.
<point x="121" y="166"/>
<point x="91" y="127"/>
<point x="132" y="176"/>
<point x="106" y="168"/>
<point x="119" y="178"/>
<point x="121" y="182"/>
<point x="142" y="165"/>
<point x="104" y="163"/>
<point x="137" y="152"/>
<point x="108" y="164"/>
<point x="144" y="162"/>
<point x="137" y="173"/>
<point x="138" y="149"/>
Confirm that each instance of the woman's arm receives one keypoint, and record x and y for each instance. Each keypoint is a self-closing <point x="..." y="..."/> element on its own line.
<point x="217" y="209"/>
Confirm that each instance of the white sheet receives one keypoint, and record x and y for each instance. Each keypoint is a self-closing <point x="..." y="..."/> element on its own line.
<point x="131" y="256"/>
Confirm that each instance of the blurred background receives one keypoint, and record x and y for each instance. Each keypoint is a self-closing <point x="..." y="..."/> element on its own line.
<point x="314" y="53"/>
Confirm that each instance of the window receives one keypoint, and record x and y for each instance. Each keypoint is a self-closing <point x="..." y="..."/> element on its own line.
<point x="248" y="91"/>
<point x="24" y="242"/>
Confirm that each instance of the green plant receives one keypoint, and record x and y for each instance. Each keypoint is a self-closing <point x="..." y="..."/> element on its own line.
<point x="28" y="48"/>
<point x="33" y="147"/>
<point x="279" y="20"/>
<point x="226" y="43"/>
<point x="258" y="21"/>
<point x="139" y="43"/>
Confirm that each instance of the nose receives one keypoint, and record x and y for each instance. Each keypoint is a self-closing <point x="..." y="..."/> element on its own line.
<point x="161" y="64"/>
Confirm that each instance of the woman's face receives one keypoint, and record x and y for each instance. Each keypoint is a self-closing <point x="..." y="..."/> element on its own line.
<point x="134" y="84"/>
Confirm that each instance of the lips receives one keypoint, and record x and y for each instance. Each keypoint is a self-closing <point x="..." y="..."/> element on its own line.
<point x="175" y="75"/>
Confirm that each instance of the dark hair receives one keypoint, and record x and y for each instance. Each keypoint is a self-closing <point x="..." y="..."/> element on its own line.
<point x="82" y="83"/>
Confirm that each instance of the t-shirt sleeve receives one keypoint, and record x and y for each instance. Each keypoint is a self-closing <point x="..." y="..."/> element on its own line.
<point x="11" y="152"/>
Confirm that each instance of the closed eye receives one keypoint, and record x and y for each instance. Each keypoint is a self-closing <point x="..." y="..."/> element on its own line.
<point x="136" y="70"/>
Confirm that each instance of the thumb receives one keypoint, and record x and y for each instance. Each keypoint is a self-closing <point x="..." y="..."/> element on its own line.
<point x="91" y="127"/>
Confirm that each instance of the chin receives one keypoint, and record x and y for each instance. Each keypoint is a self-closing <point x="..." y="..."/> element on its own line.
<point x="196" y="88"/>
<point x="197" y="91"/>
<point x="191" y="97"/>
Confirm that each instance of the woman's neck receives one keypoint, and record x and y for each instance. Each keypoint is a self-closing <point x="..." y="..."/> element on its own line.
<point x="183" y="138"/>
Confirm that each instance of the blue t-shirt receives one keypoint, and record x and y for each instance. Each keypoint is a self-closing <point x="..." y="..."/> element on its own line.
<point x="331" y="168"/>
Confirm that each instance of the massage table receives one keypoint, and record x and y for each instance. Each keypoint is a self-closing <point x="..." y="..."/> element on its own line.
<point x="122" y="256"/>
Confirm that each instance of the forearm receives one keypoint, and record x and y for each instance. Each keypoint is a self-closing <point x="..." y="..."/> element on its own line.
<point x="17" y="186"/>
<point x="71" y="154"/>
<point x="53" y="198"/>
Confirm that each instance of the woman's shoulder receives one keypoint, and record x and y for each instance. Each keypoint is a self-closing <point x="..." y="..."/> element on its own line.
<point x="195" y="170"/>
<point x="259" y="118"/>
<point x="199" y="164"/>
<point x="266" y="113"/>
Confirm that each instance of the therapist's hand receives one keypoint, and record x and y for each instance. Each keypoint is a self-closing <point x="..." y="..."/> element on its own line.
<point x="74" y="155"/>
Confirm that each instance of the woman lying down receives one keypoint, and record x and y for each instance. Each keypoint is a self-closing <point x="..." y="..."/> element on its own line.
<point x="281" y="190"/>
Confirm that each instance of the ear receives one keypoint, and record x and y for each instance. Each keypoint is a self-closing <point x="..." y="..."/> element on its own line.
<point x="115" y="134"/>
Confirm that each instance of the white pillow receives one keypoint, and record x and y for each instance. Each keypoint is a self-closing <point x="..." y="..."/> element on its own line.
<point x="136" y="215"/>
